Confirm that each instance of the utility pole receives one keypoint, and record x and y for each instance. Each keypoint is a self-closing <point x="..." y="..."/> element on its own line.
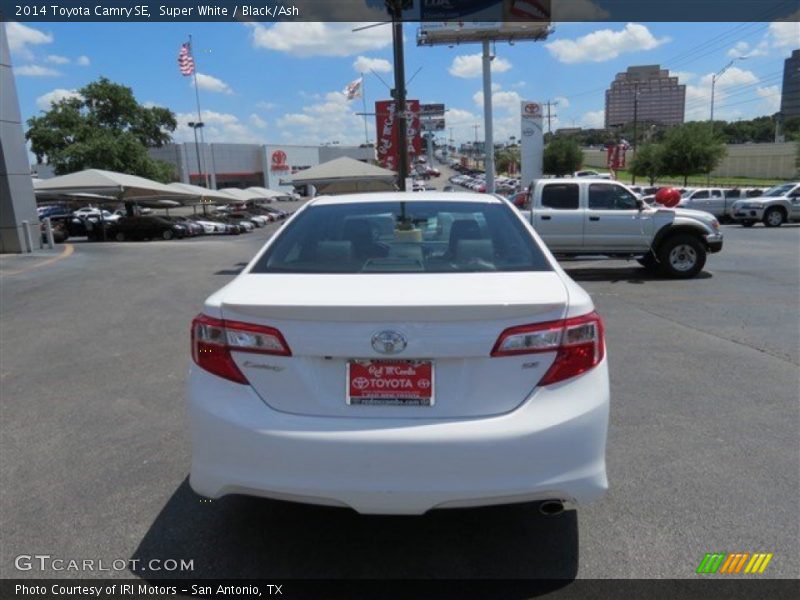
<point x="488" y="131"/>
<point x="635" y="123"/>
<point x="549" y="115"/>
<point x="399" y="93"/>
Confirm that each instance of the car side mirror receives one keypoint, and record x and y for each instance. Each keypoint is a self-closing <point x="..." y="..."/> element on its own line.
<point x="639" y="204"/>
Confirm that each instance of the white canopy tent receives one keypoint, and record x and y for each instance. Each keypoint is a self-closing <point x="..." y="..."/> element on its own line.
<point x="269" y="194"/>
<point x="346" y="175"/>
<point x="120" y="186"/>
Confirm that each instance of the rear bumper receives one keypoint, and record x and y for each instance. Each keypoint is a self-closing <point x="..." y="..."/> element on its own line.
<point x="552" y="446"/>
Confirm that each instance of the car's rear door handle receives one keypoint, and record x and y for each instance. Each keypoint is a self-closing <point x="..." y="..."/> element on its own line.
<point x="545" y="217"/>
<point x="594" y="218"/>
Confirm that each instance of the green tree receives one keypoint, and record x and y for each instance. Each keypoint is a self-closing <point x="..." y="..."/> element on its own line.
<point x="562" y="156"/>
<point x="691" y="149"/>
<point x="103" y="127"/>
<point x="505" y="157"/>
<point x="648" y="161"/>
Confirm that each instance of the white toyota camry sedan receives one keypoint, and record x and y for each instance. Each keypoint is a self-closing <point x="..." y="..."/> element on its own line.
<point x="396" y="353"/>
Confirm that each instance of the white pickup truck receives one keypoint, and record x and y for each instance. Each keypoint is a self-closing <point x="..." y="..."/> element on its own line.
<point x="582" y="216"/>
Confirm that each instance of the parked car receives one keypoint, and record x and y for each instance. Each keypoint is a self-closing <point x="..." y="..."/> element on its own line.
<point x="592" y="174"/>
<point x="192" y="229"/>
<point x="257" y="220"/>
<point x="581" y="216"/>
<point x="146" y="228"/>
<point x="778" y="205"/>
<point x="329" y="372"/>
<point x="710" y="200"/>
<point x="212" y="227"/>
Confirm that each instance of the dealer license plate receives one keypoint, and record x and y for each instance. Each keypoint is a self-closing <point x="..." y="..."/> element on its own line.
<point x="390" y="382"/>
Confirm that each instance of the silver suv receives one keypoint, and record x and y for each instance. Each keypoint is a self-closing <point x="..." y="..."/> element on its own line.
<point x="778" y="205"/>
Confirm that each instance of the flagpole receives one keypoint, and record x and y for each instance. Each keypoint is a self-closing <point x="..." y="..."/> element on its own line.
<point x="199" y="115"/>
<point x="364" y="102"/>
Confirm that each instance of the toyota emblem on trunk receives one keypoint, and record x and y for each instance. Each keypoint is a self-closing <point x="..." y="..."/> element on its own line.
<point x="389" y="342"/>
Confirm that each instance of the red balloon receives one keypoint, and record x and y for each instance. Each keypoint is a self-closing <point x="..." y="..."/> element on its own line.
<point x="668" y="197"/>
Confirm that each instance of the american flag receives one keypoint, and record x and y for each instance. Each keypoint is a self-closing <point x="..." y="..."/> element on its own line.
<point x="186" y="60"/>
<point x="353" y="89"/>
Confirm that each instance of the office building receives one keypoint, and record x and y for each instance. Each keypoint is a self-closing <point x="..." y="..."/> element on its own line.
<point x="649" y="92"/>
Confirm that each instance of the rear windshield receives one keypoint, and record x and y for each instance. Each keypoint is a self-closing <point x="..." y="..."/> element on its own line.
<point x="407" y="237"/>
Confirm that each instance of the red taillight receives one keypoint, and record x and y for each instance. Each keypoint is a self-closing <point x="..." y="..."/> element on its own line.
<point x="578" y="342"/>
<point x="214" y="339"/>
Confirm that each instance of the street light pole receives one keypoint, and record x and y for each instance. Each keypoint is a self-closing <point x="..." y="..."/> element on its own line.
<point x="714" y="78"/>
<point x="399" y="93"/>
<point x="635" y="124"/>
<point x="195" y="126"/>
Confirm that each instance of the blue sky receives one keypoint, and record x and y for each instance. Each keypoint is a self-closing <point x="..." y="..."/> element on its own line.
<point x="283" y="83"/>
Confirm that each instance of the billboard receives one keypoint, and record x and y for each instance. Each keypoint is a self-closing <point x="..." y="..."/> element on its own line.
<point x="432" y="124"/>
<point x="478" y="20"/>
<point x="386" y="132"/>
<point x="431" y="110"/>
<point x="532" y="142"/>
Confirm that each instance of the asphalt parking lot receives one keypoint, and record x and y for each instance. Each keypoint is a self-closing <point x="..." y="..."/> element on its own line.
<point x="702" y="454"/>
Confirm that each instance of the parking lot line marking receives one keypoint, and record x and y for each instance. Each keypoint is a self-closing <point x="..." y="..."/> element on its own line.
<point x="65" y="253"/>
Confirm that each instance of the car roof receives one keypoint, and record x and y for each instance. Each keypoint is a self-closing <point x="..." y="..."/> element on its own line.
<point x="577" y="180"/>
<point x="406" y="197"/>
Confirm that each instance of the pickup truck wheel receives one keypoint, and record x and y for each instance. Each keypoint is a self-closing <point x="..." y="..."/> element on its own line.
<point x="682" y="256"/>
<point x="774" y="217"/>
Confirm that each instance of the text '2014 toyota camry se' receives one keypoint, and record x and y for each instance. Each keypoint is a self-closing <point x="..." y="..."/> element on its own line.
<point x="396" y="353"/>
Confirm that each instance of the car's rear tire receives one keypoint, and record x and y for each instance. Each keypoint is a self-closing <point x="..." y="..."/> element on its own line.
<point x="120" y="237"/>
<point x="748" y="223"/>
<point x="774" y="217"/>
<point x="167" y="234"/>
<point x="682" y="256"/>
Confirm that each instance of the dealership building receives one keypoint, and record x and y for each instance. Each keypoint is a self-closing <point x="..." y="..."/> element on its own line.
<point x="246" y="165"/>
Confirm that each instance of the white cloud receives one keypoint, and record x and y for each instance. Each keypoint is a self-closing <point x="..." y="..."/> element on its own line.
<point x="83" y="61"/>
<point x="468" y="66"/>
<point x="212" y="84"/>
<point x="698" y="97"/>
<point x="364" y="64"/>
<point x="57" y="60"/>
<point x="593" y="119"/>
<point x="332" y="118"/>
<point x="683" y="76"/>
<point x="742" y="48"/>
<point x="21" y="36"/>
<point x="35" y="71"/>
<point x="563" y="103"/>
<point x="503" y="100"/>
<point x="320" y="39"/>
<point x="785" y="34"/>
<point x="219" y="127"/>
<point x="263" y="105"/>
<point x="605" y="44"/>
<point x="257" y="121"/>
<point x="518" y="85"/>
<point x="46" y="100"/>
<point x="772" y="98"/>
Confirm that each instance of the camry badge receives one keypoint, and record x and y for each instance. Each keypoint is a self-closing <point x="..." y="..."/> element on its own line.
<point x="389" y="342"/>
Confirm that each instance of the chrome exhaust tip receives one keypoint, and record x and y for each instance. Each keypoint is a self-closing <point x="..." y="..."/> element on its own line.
<point x="551" y="507"/>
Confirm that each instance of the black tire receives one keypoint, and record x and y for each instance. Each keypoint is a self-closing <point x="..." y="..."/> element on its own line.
<point x="167" y="234"/>
<point x="748" y="223"/>
<point x="774" y="217"/>
<point x="120" y="237"/>
<point x="650" y="262"/>
<point x="682" y="256"/>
